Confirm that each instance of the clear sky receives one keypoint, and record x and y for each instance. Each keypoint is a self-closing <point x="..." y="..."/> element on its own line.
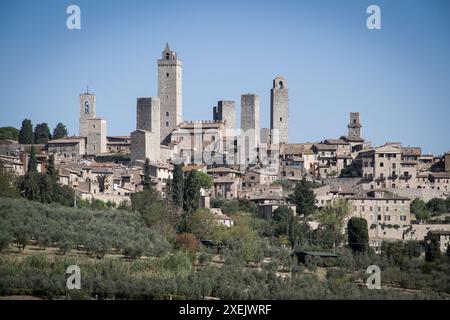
<point x="398" y="78"/>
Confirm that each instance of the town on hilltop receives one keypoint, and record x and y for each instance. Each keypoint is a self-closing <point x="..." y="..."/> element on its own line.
<point x="383" y="184"/>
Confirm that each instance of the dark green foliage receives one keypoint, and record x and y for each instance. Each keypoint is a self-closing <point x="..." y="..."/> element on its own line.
<point x="433" y="252"/>
<point x="102" y="180"/>
<point x="437" y="206"/>
<point x="147" y="180"/>
<point x="43" y="188"/>
<point x="51" y="170"/>
<point x="233" y="206"/>
<point x="41" y="133"/>
<point x="32" y="162"/>
<point x="26" y="135"/>
<point x="358" y="234"/>
<point x="155" y="213"/>
<point x="9" y="133"/>
<point x="191" y="198"/>
<point x="352" y="170"/>
<point x="177" y="186"/>
<point x="60" y="131"/>
<point x="7" y="183"/>
<point x="304" y="197"/>
<point x="288" y="225"/>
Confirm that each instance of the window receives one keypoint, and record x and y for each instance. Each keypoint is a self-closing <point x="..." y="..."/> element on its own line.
<point x="167" y="74"/>
<point x="167" y="113"/>
<point x="167" y="124"/>
<point x="381" y="164"/>
<point x="281" y="119"/>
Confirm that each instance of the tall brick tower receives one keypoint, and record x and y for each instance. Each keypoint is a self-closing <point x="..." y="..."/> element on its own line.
<point x="169" y="92"/>
<point x="354" y="127"/>
<point x="279" y="109"/>
<point x="87" y="111"/>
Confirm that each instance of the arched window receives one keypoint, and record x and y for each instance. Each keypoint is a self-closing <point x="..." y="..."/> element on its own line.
<point x="280" y="85"/>
<point x="167" y="55"/>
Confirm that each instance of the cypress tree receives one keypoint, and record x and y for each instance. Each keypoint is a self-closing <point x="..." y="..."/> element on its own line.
<point x="177" y="186"/>
<point x="358" y="234"/>
<point x="147" y="181"/>
<point x="26" y="135"/>
<point x="32" y="164"/>
<point x="60" y="131"/>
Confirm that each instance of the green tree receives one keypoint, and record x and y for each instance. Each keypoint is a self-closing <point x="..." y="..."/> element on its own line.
<point x="7" y="183"/>
<point x="26" y="135"/>
<point x="51" y="170"/>
<point x="304" y="197"/>
<point x="192" y="188"/>
<point x="102" y="181"/>
<point x="147" y="180"/>
<point x="332" y="219"/>
<point x="437" y="205"/>
<point x="9" y="133"/>
<point x="42" y="133"/>
<point x="204" y="180"/>
<point x="433" y="252"/>
<point x="358" y="234"/>
<point x="60" y="131"/>
<point x="177" y="186"/>
<point x="29" y="186"/>
<point x="288" y="224"/>
<point x="201" y="223"/>
<point x="32" y="164"/>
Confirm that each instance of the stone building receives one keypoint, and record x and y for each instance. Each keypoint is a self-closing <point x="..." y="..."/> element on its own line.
<point x="279" y="109"/>
<point x="447" y="161"/>
<point x="145" y="141"/>
<point x="199" y="142"/>
<point x="118" y="144"/>
<point x="226" y="111"/>
<point x="96" y="138"/>
<point x="70" y="146"/>
<point x="381" y="166"/>
<point x="92" y="127"/>
<point x="387" y="215"/>
<point x="169" y="92"/>
<point x="227" y="182"/>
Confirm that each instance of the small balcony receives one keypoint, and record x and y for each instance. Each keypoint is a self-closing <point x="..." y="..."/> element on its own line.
<point x="405" y="176"/>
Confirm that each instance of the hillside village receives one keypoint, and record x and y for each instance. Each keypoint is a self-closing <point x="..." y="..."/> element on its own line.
<point x="244" y="161"/>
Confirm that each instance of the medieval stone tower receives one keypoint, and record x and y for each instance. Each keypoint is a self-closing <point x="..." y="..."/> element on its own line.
<point x="92" y="127"/>
<point x="169" y="92"/>
<point x="250" y="115"/>
<point x="225" y="111"/>
<point x="146" y="139"/>
<point x="279" y="110"/>
<point x="354" y="127"/>
<point x="87" y="111"/>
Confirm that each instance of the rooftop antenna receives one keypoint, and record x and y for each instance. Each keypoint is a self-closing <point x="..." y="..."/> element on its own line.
<point x="87" y="89"/>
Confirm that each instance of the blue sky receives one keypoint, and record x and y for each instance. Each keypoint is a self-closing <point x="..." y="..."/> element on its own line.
<point x="398" y="78"/>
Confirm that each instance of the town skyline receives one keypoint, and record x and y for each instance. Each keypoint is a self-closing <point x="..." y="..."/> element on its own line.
<point x="312" y="88"/>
